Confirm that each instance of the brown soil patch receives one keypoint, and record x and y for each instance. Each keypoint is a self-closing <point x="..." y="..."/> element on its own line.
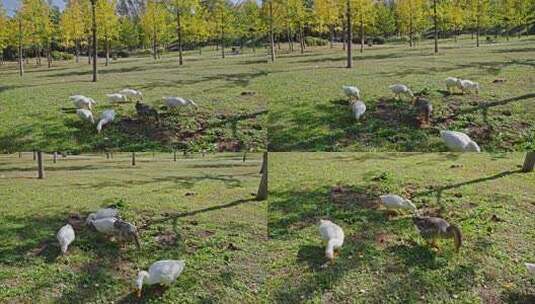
<point x="76" y="221"/>
<point x="383" y="240"/>
<point x="345" y="196"/>
<point x="167" y="238"/>
<point x="205" y="233"/>
<point x="489" y="296"/>
<point x="430" y="211"/>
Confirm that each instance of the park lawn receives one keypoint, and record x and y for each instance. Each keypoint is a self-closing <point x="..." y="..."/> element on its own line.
<point x="35" y="112"/>
<point x="386" y="261"/>
<point x="308" y="110"/>
<point x="221" y="238"/>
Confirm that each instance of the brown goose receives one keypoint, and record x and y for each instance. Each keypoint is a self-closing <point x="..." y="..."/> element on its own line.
<point x="432" y="228"/>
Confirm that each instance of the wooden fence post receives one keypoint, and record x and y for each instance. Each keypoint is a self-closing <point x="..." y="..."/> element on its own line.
<point x="34" y="155"/>
<point x="262" y="193"/>
<point x="174" y="155"/>
<point x="20" y="154"/>
<point x="529" y="162"/>
<point x="40" y="167"/>
<point x="244" y="156"/>
<point x="55" y="157"/>
<point x="133" y="158"/>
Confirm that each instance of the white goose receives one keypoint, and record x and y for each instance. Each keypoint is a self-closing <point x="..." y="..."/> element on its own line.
<point x="399" y="89"/>
<point x="104" y="225"/>
<point x="86" y="115"/>
<point x="106" y="117"/>
<point x="102" y="213"/>
<point x="81" y="101"/>
<point x="116" y="97"/>
<point x="65" y="237"/>
<point x="459" y="142"/>
<point x="352" y="92"/>
<point x="452" y="83"/>
<point x="173" y="102"/>
<point x="131" y="93"/>
<point x="334" y="235"/>
<point x="393" y="201"/>
<point x="359" y="108"/>
<point x="163" y="272"/>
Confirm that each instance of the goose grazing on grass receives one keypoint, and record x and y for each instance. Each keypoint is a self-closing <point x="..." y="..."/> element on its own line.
<point x="177" y="102"/>
<point x="334" y="235"/>
<point x="131" y="93"/>
<point x="81" y="101"/>
<point x="86" y="115"/>
<point x="359" y="108"/>
<point x="393" y="201"/>
<point x="116" y="97"/>
<point x="467" y="86"/>
<point x="459" y="142"/>
<point x="102" y="213"/>
<point x="163" y="272"/>
<point x="103" y="225"/>
<point x="65" y="237"/>
<point x="399" y="89"/>
<point x="352" y="92"/>
<point x="433" y="228"/>
<point x="105" y="118"/>
<point x="530" y="267"/>
<point x="452" y="83"/>
<point x="126" y="232"/>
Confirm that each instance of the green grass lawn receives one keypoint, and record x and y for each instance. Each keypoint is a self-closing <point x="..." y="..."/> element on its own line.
<point x="220" y="233"/>
<point x="35" y="111"/>
<point x="386" y="261"/>
<point x="308" y="109"/>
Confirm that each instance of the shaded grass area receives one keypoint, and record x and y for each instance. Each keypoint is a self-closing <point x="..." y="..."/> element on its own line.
<point x="197" y="209"/>
<point x="37" y="114"/>
<point x="308" y="111"/>
<point x="385" y="260"/>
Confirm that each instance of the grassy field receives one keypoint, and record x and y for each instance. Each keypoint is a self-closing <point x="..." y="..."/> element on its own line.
<point x="35" y="111"/>
<point x="386" y="261"/>
<point x="220" y="230"/>
<point x="308" y="109"/>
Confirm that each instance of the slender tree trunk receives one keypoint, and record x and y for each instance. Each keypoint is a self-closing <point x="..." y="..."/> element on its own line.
<point x="94" y="34"/>
<point x="21" y="68"/>
<point x="222" y="38"/>
<point x="77" y="50"/>
<point x="179" y="36"/>
<point x="107" y="42"/>
<point x="361" y="34"/>
<point x="332" y="36"/>
<point x="49" y="56"/>
<point x="271" y="31"/>
<point x="478" y="29"/>
<point x="529" y="162"/>
<point x="40" y="166"/>
<point x="262" y="193"/>
<point x="435" y="21"/>
<point x="349" y="35"/>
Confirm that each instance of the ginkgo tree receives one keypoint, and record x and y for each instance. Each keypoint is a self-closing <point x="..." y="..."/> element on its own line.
<point x="183" y="11"/>
<point x="327" y="17"/>
<point x="411" y="18"/>
<point x="154" y="22"/>
<point x="107" y="24"/>
<point x="4" y="34"/>
<point x="71" y="29"/>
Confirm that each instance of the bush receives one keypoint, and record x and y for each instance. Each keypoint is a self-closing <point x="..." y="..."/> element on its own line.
<point x="122" y="54"/>
<point x="57" y="55"/>
<point x="315" y="41"/>
<point x="378" y="40"/>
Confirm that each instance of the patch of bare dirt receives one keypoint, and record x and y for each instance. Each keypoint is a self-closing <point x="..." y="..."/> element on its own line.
<point x="205" y="233"/>
<point x="489" y="296"/>
<point x="430" y="211"/>
<point x="382" y="239"/>
<point x="480" y="133"/>
<point x="39" y="249"/>
<point x="345" y="196"/>
<point x="76" y="221"/>
<point x="167" y="238"/>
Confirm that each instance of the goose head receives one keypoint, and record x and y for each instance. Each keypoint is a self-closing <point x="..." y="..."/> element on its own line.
<point x="473" y="147"/>
<point x="142" y="276"/>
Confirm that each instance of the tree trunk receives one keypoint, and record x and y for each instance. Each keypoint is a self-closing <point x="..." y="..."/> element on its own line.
<point x="361" y="35"/>
<point x="94" y="34"/>
<point x="349" y="35"/>
<point x="133" y="158"/>
<point x="77" y="50"/>
<point x="107" y="42"/>
<point x="272" y="43"/>
<point x="529" y="162"/>
<point x="435" y="21"/>
<point x="332" y="36"/>
<point x="179" y="36"/>
<point x="21" y="68"/>
<point x="40" y="167"/>
<point x="222" y="38"/>
<point x="262" y="193"/>
<point x="49" y="55"/>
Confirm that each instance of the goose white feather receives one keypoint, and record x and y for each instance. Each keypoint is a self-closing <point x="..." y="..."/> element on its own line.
<point x="116" y="97"/>
<point x="105" y="118"/>
<point x="452" y="83"/>
<point x="102" y="213"/>
<point x="163" y="272"/>
<point x="81" y="101"/>
<point x="351" y="92"/>
<point x="399" y="89"/>
<point x="359" y="108"/>
<point x="86" y="115"/>
<point x="459" y="142"/>
<point x="104" y="225"/>
<point x="131" y="93"/>
<point x="174" y="102"/>
<point x="333" y="234"/>
<point x="393" y="201"/>
<point x="530" y="267"/>
<point x="65" y="237"/>
<point x="467" y="86"/>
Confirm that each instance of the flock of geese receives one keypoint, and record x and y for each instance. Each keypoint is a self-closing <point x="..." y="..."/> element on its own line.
<point x="84" y="106"/>
<point x="107" y="222"/>
<point x="454" y="140"/>
<point x="430" y="228"/>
